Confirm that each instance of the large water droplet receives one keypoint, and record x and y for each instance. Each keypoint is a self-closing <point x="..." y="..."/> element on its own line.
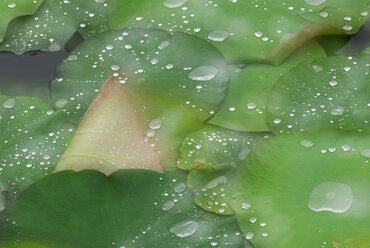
<point x="9" y="103"/>
<point x="180" y="187"/>
<point x="337" y="111"/>
<point x="174" y="3"/>
<point x="155" y="124"/>
<point x="218" y="35"/>
<point x="217" y="181"/>
<point x="203" y="73"/>
<point x="331" y="196"/>
<point x="184" y="228"/>
<point x="168" y="205"/>
<point x="61" y="103"/>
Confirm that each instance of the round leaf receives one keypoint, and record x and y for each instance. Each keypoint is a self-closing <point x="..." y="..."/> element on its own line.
<point x="180" y="67"/>
<point x="330" y="92"/>
<point x="33" y="138"/>
<point x="305" y="189"/>
<point x="88" y="209"/>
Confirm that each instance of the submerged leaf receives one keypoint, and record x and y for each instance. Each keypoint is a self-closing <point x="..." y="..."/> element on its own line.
<point x="33" y="137"/>
<point x="88" y="210"/>
<point x="213" y="155"/>
<point x="329" y="92"/>
<point x="315" y="181"/>
<point x="244" y="107"/>
<point x="180" y="67"/>
<point x="14" y="8"/>
<point x="109" y="137"/>
<point x="54" y="23"/>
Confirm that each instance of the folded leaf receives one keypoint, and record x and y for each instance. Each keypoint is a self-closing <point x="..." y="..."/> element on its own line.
<point x="109" y="137"/>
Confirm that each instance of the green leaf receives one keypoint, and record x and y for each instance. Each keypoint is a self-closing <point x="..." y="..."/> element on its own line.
<point x="213" y="155"/>
<point x="26" y="245"/>
<point x="165" y="124"/>
<point x="366" y="51"/>
<point x="109" y="137"/>
<point x="33" y="138"/>
<point x="54" y="23"/>
<point x="11" y="9"/>
<point x="180" y="67"/>
<point x="242" y="30"/>
<point x="351" y="243"/>
<point x="305" y="189"/>
<point x="88" y="210"/>
<point x="244" y="107"/>
<point x="330" y="92"/>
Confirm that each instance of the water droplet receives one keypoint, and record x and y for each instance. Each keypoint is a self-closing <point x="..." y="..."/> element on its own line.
<point x="155" y="123"/>
<point x="337" y="111"/>
<point x="243" y="153"/>
<point x="217" y="181"/>
<point x="246" y="205"/>
<point x="72" y="58"/>
<point x="315" y="2"/>
<point x="100" y="1"/>
<point x="306" y="143"/>
<point x="345" y="147"/>
<point x="203" y="73"/>
<point x="174" y="3"/>
<point x="184" y="228"/>
<point x="366" y="153"/>
<point x="115" y="67"/>
<point x="317" y="68"/>
<point x="258" y="34"/>
<point x="55" y="47"/>
<point x="168" y="205"/>
<point x="277" y="121"/>
<point x="163" y="45"/>
<point x="347" y="27"/>
<point x="12" y="5"/>
<point x="347" y="68"/>
<point x="180" y="187"/>
<point x="249" y="235"/>
<point x="232" y="109"/>
<point x="324" y="14"/>
<point x="169" y="66"/>
<point x="218" y="35"/>
<point x="128" y="46"/>
<point x="333" y="83"/>
<point x="331" y="196"/>
<point x="109" y="47"/>
<point x="61" y="103"/>
<point x="9" y="103"/>
<point x="251" y="105"/>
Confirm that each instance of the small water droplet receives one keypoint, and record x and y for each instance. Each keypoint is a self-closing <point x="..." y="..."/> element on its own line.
<point x="115" y="67"/>
<point x="246" y="205"/>
<point x="347" y="27"/>
<point x="184" y="228"/>
<point x="163" y="45"/>
<point x="54" y="47"/>
<point x="337" y="111"/>
<point x="324" y="14"/>
<point x="258" y="34"/>
<point x="366" y="153"/>
<point x="218" y="35"/>
<point x="180" y="187"/>
<point x="72" y="58"/>
<point x="333" y="83"/>
<point x="155" y="123"/>
<point x="203" y="73"/>
<point x="12" y="5"/>
<point x="251" y="105"/>
<point x="331" y="196"/>
<point x="61" y="103"/>
<point x="347" y="68"/>
<point x="249" y="235"/>
<point x="277" y="121"/>
<point x="168" y="205"/>
<point x="306" y="143"/>
<point x="317" y="68"/>
<point x="315" y="2"/>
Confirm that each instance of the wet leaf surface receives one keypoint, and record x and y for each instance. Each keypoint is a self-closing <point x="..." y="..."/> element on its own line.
<point x="54" y="23"/>
<point x="329" y="92"/>
<point x="179" y="67"/>
<point x="244" y="107"/>
<point x="88" y="209"/>
<point x="315" y="181"/>
<point x="33" y="137"/>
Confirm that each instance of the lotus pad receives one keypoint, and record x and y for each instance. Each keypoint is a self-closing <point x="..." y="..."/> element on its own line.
<point x="242" y="30"/>
<point x="54" y="23"/>
<point x="11" y="9"/>
<point x="330" y="92"/>
<point x="33" y="137"/>
<point x="214" y="154"/>
<point x="244" y="107"/>
<point x="315" y="182"/>
<point x="180" y="67"/>
<point x="88" y="209"/>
